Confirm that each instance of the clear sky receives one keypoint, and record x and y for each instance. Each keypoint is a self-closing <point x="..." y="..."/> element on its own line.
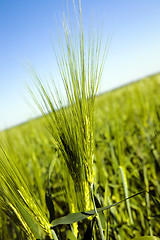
<point x="27" y="26"/>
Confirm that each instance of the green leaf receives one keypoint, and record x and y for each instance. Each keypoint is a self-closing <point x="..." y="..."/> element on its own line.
<point x="30" y="221"/>
<point x="75" y="217"/>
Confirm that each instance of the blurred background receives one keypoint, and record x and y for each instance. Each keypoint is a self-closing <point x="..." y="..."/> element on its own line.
<point x="27" y="28"/>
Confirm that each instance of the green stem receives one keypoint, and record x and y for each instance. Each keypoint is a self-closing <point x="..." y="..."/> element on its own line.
<point x="97" y="214"/>
<point x="54" y="235"/>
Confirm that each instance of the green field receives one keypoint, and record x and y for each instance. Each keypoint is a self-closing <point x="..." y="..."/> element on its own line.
<point x="126" y="161"/>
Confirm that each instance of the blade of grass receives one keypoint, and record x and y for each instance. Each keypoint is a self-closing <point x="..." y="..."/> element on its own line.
<point x="125" y="187"/>
<point x="75" y="217"/>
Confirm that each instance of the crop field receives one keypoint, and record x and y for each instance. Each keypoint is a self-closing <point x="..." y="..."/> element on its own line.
<point x="89" y="167"/>
<point x="37" y="188"/>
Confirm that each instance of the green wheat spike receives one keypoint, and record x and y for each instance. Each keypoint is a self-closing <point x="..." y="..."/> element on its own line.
<point x="72" y="127"/>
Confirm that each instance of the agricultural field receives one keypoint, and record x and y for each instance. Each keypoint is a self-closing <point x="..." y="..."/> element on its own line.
<point x="36" y="187"/>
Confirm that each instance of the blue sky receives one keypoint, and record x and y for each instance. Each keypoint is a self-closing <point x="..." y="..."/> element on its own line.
<point x="27" y="27"/>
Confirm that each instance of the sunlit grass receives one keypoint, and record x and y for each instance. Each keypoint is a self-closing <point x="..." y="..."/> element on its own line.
<point x="17" y="199"/>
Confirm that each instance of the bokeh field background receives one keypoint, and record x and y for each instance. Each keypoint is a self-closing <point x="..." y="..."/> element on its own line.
<point x="127" y="137"/>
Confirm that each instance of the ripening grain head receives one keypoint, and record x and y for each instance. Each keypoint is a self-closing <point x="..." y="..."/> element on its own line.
<point x="80" y="65"/>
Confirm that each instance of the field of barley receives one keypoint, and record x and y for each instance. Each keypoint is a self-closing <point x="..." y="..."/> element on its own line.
<point x="40" y="184"/>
